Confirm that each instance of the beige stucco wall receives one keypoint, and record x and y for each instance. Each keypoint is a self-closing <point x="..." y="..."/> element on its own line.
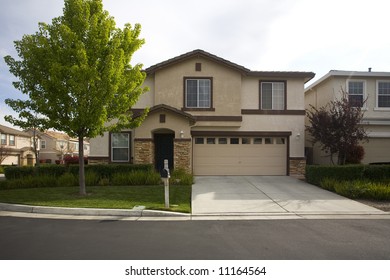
<point x="169" y="86"/>
<point x="173" y="122"/>
<point x="99" y="146"/>
<point x="146" y="99"/>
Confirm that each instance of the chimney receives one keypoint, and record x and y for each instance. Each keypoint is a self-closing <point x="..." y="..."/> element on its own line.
<point x="369" y="69"/>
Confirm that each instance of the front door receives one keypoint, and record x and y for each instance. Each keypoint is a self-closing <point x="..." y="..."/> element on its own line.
<point x="163" y="144"/>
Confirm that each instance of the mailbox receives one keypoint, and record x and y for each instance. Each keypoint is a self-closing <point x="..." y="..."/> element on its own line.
<point x="165" y="173"/>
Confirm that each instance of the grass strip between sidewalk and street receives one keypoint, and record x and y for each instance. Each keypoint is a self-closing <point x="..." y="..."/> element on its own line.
<point x="106" y="197"/>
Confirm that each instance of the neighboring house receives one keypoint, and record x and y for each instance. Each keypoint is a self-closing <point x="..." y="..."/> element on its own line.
<point x="210" y="116"/>
<point x="55" y="145"/>
<point x="16" y="147"/>
<point x="371" y="86"/>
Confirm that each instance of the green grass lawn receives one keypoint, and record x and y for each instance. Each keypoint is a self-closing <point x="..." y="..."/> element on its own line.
<point x="125" y="197"/>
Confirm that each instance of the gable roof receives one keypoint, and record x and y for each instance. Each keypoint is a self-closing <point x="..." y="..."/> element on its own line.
<point x="8" y="130"/>
<point x="244" y="71"/>
<point x="195" y="53"/>
<point x="348" y="75"/>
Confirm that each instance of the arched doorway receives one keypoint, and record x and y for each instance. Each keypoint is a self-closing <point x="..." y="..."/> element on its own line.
<point x="163" y="148"/>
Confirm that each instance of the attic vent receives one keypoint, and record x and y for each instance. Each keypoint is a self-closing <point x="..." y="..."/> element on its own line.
<point x="198" y="67"/>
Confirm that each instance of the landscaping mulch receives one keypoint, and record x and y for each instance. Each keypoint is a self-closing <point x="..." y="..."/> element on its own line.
<point x="381" y="205"/>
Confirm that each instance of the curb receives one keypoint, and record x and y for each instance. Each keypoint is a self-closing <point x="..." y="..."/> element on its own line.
<point x="138" y="212"/>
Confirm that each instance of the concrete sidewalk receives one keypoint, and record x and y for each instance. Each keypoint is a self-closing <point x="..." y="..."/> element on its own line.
<point x="272" y="195"/>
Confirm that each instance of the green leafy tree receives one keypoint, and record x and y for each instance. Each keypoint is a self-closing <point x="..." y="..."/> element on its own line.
<point x="337" y="127"/>
<point x="77" y="73"/>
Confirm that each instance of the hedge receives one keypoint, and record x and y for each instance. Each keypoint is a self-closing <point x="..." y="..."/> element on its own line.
<point x="103" y="171"/>
<point x="315" y="174"/>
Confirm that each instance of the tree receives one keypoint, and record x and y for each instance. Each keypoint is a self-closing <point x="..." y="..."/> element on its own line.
<point x="4" y="153"/>
<point x="337" y="127"/>
<point x="77" y="73"/>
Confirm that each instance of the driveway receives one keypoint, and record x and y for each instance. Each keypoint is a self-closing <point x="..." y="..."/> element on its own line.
<point x="268" y="195"/>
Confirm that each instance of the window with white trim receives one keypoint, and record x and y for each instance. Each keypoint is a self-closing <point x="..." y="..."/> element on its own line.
<point x="383" y="94"/>
<point x="3" y="139"/>
<point x="198" y="93"/>
<point x="12" y="140"/>
<point x="43" y="144"/>
<point x="120" y="147"/>
<point x="356" y="93"/>
<point x="272" y="95"/>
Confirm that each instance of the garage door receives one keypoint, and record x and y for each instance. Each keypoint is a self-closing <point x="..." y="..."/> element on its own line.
<point x="240" y="155"/>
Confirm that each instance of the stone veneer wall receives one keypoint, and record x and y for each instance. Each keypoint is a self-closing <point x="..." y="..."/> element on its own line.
<point x="143" y="151"/>
<point x="297" y="167"/>
<point x="182" y="154"/>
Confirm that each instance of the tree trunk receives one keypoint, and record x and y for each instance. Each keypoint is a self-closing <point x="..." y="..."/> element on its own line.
<point x="83" y="191"/>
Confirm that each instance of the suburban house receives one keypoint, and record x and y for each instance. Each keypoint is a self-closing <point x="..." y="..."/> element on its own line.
<point x="211" y="116"/>
<point x="16" y="147"/>
<point x="372" y="87"/>
<point x="55" y="145"/>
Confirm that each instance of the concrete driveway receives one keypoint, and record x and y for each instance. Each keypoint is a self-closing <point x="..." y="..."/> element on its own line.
<point x="269" y="195"/>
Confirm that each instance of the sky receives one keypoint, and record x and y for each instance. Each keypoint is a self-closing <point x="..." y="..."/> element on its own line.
<point x="262" y="35"/>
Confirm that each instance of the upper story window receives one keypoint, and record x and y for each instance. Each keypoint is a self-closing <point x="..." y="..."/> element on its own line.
<point x="383" y="94"/>
<point x="43" y="144"/>
<point x="356" y="93"/>
<point x="3" y="139"/>
<point x="12" y="140"/>
<point x="273" y="95"/>
<point x="198" y="93"/>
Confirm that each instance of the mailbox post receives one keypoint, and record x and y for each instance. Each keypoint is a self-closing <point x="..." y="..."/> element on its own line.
<point x="165" y="177"/>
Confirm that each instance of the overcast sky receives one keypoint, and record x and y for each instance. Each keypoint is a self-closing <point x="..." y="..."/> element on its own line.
<point x="276" y="35"/>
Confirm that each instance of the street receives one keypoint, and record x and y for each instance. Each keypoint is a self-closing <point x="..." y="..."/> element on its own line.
<point x="45" y="239"/>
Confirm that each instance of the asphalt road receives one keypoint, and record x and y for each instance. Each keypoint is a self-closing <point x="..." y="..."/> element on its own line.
<point x="45" y="239"/>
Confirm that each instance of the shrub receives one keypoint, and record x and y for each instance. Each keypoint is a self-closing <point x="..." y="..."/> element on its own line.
<point x="1" y="169"/>
<point x="91" y="178"/>
<point x="181" y="177"/>
<point x="358" y="188"/>
<point x="377" y="172"/>
<point x="316" y="173"/>
<point x="15" y="172"/>
<point x="67" y="180"/>
<point x="33" y="182"/>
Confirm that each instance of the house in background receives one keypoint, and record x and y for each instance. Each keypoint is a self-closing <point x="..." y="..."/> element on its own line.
<point x="16" y="147"/>
<point x="210" y="116"/>
<point x="55" y="145"/>
<point x="371" y="86"/>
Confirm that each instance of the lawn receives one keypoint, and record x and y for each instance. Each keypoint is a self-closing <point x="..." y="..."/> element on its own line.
<point x="108" y="197"/>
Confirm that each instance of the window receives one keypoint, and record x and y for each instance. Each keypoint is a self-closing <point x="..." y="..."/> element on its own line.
<point x="43" y="144"/>
<point x="234" y="141"/>
<point x="280" y="141"/>
<point x="273" y="95"/>
<point x="356" y="93"/>
<point x="199" y="141"/>
<point x="245" y="141"/>
<point x="258" y="141"/>
<point x="222" y="141"/>
<point x="383" y="94"/>
<point x="12" y="140"/>
<point x="3" y="139"/>
<point x="210" y="140"/>
<point x="268" y="141"/>
<point x="198" y="93"/>
<point x="120" y="145"/>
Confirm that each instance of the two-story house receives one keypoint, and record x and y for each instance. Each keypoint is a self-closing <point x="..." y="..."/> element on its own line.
<point x="55" y="145"/>
<point x="210" y="116"/>
<point x="16" y="147"/>
<point x="371" y="87"/>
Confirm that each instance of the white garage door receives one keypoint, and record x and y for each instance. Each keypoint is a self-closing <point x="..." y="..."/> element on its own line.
<point x="240" y="155"/>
